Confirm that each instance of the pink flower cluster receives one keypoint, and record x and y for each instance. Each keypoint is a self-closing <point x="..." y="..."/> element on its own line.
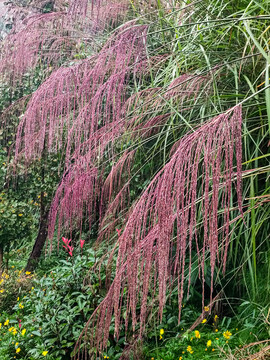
<point x="68" y="246"/>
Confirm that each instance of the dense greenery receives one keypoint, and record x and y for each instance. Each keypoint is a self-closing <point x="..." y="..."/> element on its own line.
<point x="202" y="59"/>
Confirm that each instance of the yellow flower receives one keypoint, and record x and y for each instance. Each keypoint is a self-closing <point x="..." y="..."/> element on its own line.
<point x="160" y="337"/>
<point x="189" y="349"/>
<point x="18" y="299"/>
<point x="23" y="332"/>
<point x="215" y="318"/>
<point x="152" y="358"/>
<point x="197" y="334"/>
<point x="209" y="343"/>
<point x="206" y="308"/>
<point x="6" y="322"/>
<point x="213" y="349"/>
<point x="216" y="330"/>
<point x="21" y="306"/>
<point x="161" y="331"/>
<point x="204" y="321"/>
<point x="14" y="331"/>
<point x="0" y="325"/>
<point x="20" y="214"/>
<point x="227" y="334"/>
<point x="11" y="329"/>
<point x="2" y="290"/>
<point x="28" y="272"/>
<point x="18" y="350"/>
<point x="16" y="344"/>
<point x="180" y="358"/>
<point x="45" y="353"/>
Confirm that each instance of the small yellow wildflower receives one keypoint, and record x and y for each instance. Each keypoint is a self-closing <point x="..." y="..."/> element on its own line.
<point x="14" y="331"/>
<point x="216" y="330"/>
<point x="206" y="308"/>
<point x="189" y="349"/>
<point x="21" y="306"/>
<point x="152" y="358"/>
<point x="209" y="343"/>
<point x="197" y="334"/>
<point x="18" y="299"/>
<point x="206" y="349"/>
<point x="227" y="334"/>
<point x="16" y="344"/>
<point x="204" y="321"/>
<point x="6" y="322"/>
<point x="2" y="290"/>
<point x="160" y="337"/>
<point x="28" y="272"/>
<point x="180" y="358"/>
<point x="23" y="332"/>
<point x="161" y="331"/>
<point x="213" y="349"/>
<point x="46" y="352"/>
<point x="18" y="350"/>
<point x="20" y="214"/>
<point x="0" y="325"/>
<point x="11" y="329"/>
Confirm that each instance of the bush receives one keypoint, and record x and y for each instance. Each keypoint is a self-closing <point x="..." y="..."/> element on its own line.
<point x="53" y="312"/>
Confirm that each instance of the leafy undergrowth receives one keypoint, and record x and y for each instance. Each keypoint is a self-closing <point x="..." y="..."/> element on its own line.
<point x="42" y="315"/>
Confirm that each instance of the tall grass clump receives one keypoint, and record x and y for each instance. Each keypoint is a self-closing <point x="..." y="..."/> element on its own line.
<point x="163" y="135"/>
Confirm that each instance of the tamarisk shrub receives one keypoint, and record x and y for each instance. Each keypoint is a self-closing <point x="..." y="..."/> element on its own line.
<point x="164" y="218"/>
<point x="79" y="109"/>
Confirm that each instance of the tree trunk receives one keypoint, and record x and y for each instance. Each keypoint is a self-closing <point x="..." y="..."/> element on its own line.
<point x="40" y="239"/>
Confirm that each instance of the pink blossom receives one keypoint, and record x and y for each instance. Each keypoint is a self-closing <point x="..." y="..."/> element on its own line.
<point x="81" y="243"/>
<point x="66" y="241"/>
<point x="70" y="250"/>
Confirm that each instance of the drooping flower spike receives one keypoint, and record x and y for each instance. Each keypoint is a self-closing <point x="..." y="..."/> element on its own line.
<point x="165" y="219"/>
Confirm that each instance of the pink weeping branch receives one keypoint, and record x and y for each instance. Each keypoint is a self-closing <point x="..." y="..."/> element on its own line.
<point x="49" y="38"/>
<point x="44" y="38"/>
<point x="74" y="199"/>
<point x="101" y="12"/>
<point x="164" y="218"/>
<point x="113" y="193"/>
<point x="74" y="102"/>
